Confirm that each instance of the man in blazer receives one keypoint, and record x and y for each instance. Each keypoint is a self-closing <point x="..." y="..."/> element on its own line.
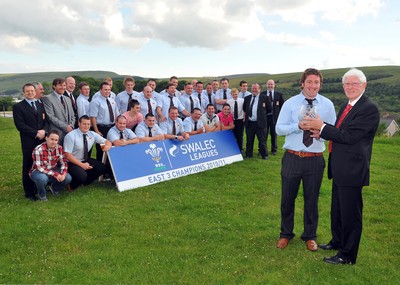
<point x="69" y="92"/>
<point x="352" y="138"/>
<point x="277" y="102"/>
<point x="256" y="108"/>
<point x="59" y="110"/>
<point x="30" y="120"/>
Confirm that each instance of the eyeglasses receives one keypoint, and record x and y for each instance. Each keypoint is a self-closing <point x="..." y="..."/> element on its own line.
<point x="353" y="84"/>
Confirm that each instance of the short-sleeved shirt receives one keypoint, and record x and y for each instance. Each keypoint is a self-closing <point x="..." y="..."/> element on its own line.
<point x="165" y="102"/>
<point x="188" y="124"/>
<point x="144" y="106"/>
<point x="225" y="120"/>
<point x="82" y="103"/>
<point x="98" y="109"/>
<point x="122" y="100"/>
<point x="73" y="142"/>
<point x="185" y="99"/>
<point x="166" y="126"/>
<point x="142" y="130"/>
<point x="131" y="122"/>
<point x="240" y="102"/>
<point x="114" y="134"/>
<point x="220" y="96"/>
<point x="211" y="121"/>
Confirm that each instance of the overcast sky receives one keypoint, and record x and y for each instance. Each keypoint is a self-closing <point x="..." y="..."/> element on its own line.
<point x="197" y="38"/>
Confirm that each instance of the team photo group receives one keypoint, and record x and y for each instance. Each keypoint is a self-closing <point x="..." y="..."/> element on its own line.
<point x="58" y="132"/>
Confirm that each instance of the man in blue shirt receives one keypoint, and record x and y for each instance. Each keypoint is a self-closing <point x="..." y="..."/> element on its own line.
<point x="303" y="160"/>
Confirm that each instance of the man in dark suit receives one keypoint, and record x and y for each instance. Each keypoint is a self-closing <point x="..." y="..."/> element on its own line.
<point x="256" y="108"/>
<point x="69" y="92"/>
<point x="277" y="102"/>
<point x="30" y="120"/>
<point x="352" y="138"/>
<point x="59" y="110"/>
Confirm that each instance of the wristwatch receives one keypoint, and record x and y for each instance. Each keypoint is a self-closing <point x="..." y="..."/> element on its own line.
<point x="176" y="137"/>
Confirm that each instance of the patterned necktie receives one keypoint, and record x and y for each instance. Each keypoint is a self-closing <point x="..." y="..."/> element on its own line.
<point x="150" y="133"/>
<point x="307" y="140"/>
<point x="224" y="94"/>
<point x="236" y="111"/>
<point x="85" y="148"/>
<point x="171" y="102"/>
<point x="110" y="110"/>
<point x="341" y="119"/>
<point x="150" y="111"/>
<point x="129" y="101"/>
<point x="173" y="128"/>
<point x="121" y="135"/>
<point x="209" y="98"/>
<point x="195" y="126"/>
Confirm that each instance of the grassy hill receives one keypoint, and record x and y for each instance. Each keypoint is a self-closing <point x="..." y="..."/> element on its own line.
<point x="215" y="227"/>
<point x="383" y="83"/>
<point x="11" y="82"/>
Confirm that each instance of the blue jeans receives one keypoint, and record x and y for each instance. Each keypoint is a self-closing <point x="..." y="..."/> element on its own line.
<point x="42" y="179"/>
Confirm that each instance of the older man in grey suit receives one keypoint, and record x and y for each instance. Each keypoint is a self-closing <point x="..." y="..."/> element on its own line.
<point x="60" y="112"/>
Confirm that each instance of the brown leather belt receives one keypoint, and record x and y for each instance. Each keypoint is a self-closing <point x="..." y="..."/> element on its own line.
<point x="304" y="154"/>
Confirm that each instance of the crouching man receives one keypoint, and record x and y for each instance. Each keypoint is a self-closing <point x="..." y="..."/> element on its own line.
<point x="49" y="166"/>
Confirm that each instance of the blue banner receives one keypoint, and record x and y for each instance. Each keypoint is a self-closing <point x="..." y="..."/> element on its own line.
<point x="148" y="163"/>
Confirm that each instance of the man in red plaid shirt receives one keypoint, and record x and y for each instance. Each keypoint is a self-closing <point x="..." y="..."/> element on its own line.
<point x="49" y="166"/>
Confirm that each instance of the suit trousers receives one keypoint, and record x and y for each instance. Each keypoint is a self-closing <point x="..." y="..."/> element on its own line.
<point x="85" y="177"/>
<point x="252" y="130"/>
<point x="28" y="184"/>
<point x="309" y="171"/>
<point x="346" y="220"/>
<point x="272" y="132"/>
<point x="238" y="132"/>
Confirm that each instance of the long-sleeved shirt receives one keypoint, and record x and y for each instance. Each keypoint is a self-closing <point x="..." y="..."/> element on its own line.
<point x="46" y="160"/>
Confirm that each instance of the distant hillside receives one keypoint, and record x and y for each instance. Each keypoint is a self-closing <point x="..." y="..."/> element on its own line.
<point x="383" y="83"/>
<point x="12" y="83"/>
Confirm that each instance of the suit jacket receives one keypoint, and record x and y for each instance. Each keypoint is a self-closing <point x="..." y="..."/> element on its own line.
<point x="28" y="123"/>
<point x="73" y="101"/>
<point x="352" y="144"/>
<point x="58" y="117"/>
<point x="276" y="104"/>
<point x="264" y="107"/>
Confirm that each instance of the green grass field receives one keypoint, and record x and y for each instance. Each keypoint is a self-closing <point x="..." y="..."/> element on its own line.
<point x="215" y="227"/>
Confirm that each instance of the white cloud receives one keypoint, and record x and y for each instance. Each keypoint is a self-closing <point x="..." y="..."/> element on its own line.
<point x="294" y="40"/>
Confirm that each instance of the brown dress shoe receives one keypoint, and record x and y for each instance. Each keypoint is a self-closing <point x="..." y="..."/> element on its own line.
<point x="282" y="243"/>
<point x="311" y="245"/>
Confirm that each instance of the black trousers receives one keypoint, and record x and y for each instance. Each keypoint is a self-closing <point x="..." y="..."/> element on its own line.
<point x="346" y="220"/>
<point x="272" y="132"/>
<point x="85" y="177"/>
<point x="238" y="133"/>
<point x="253" y="130"/>
<point x="309" y="171"/>
<point x="27" y="183"/>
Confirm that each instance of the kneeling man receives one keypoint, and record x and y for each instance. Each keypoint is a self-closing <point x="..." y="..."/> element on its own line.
<point x="83" y="169"/>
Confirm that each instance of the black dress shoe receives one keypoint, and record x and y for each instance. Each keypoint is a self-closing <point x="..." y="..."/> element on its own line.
<point x="265" y="158"/>
<point x="336" y="260"/>
<point x="328" y="246"/>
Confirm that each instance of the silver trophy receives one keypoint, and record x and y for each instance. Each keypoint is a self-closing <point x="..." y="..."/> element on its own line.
<point x="308" y="111"/>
